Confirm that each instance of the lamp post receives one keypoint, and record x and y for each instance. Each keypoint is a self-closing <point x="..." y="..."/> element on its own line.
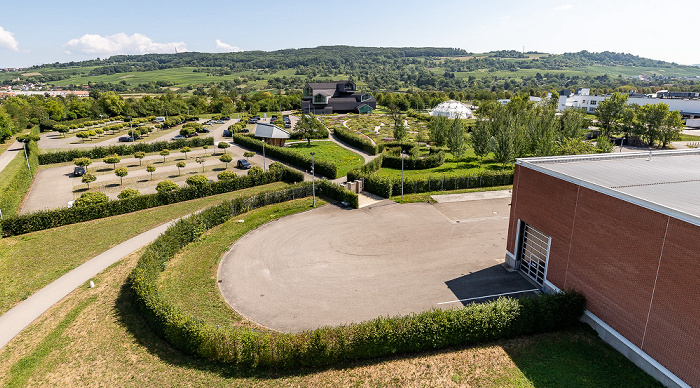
<point x="263" y="154"/>
<point x="131" y="129"/>
<point x="402" y="153"/>
<point x="313" y="179"/>
<point x="166" y="115"/>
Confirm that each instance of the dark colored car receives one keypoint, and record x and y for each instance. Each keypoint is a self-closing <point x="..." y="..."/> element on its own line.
<point x="243" y="164"/>
<point x="205" y="130"/>
<point x="245" y="130"/>
<point x="79" y="171"/>
<point x="225" y="118"/>
<point x="227" y="133"/>
<point x="178" y="137"/>
<point x="127" y="138"/>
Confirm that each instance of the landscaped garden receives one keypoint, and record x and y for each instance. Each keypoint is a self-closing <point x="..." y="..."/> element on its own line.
<point x="328" y="151"/>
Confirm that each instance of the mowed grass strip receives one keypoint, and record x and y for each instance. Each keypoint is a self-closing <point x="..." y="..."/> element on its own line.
<point x="427" y="196"/>
<point x="109" y="344"/>
<point x="31" y="261"/>
<point x="189" y="281"/>
<point x="345" y="159"/>
<point x="466" y="164"/>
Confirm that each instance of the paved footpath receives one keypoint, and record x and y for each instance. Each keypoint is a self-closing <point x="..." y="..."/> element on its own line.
<point x="23" y="314"/>
<point x="9" y="154"/>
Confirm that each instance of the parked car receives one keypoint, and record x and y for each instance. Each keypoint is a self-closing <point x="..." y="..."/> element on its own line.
<point x="193" y="134"/>
<point x="178" y="137"/>
<point x="227" y="133"/>
<point x="245" y="130"/>
<point x="225" y="118"/>
<point x="243" y="164"/>
<point x="127" y="138"/>
<point x="79" y="171"/>
<point x="287" y="125"/>
<point x="219" y="121"/>
<point x="253" y="121"/>
<point x="205" y="130"/>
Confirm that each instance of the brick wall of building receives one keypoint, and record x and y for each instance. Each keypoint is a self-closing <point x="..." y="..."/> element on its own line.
<point x="611" y="251"/>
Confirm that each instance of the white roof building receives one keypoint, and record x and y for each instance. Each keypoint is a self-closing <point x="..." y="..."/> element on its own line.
<point x="452" y="109"/>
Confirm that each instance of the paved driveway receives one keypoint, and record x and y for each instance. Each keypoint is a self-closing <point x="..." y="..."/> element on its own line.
<point x="331" y="266"/>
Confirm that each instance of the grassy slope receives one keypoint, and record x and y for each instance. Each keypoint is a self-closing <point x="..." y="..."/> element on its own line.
<point x="190" y="278"/>
<point x="94" y="337"/>
<point x="468" y="164"/>
<point x="345" y="159"/>
<point x="31" y="261"/>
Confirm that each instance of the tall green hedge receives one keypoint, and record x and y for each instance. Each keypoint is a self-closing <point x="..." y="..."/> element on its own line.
<point x="357" y="141"/>
<point x="435" y="329"/>
<point x="430" y="161"/>
<point x="46" y="219"/>
<point x="339" y="193"/>
<point x="122" y="149"/>
<point x="323" y="167"/>
<point x="18" y="184"/>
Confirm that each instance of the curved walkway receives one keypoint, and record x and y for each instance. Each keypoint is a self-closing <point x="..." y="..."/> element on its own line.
<point x="23" y="314"/>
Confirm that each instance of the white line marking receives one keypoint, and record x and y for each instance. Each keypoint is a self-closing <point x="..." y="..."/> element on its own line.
<point x="490" y="296"/>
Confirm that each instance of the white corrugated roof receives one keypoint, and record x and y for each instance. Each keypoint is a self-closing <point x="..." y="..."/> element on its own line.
<point x="665" y="181"/>
<point x="270" y="131"/>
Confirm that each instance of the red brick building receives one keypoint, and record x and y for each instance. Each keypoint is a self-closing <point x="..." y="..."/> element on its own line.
<point x="624" y="230"/>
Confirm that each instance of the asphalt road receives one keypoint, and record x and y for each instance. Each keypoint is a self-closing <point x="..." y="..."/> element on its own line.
<point x="332" y="266"/>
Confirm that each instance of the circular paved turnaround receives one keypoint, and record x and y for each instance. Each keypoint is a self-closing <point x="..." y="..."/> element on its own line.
<point x="331" y="266"/>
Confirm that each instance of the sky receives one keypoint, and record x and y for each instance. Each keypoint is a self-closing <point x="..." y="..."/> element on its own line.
<point x="35" y="32"/>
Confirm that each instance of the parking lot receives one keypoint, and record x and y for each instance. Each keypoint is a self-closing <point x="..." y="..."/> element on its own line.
<point x="331" y="266"/>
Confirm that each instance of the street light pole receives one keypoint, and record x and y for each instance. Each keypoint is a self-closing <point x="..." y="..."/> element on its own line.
<point x="313" y="179"/>
<point x="402" y="152"/>
<point x="263" y="155"/>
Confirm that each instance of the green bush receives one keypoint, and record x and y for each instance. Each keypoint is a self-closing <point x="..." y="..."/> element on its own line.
<point x="91" y="198"/>
<point x="323" y="167"/>
<point x="435" y="329"/>
<point x="338" y="193"/>
<point x="415" y="163"/>
<point x="122" y="149"/>
<point x="46" y="219"/>
<point x="357" y="141"/>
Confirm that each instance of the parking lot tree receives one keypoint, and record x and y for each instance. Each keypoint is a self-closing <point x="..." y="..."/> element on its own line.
<point x="62" y="129"/>
<point x="166" y="186"/>
<point x="121" y="172"/>
<point x="226" y="158"/>
<point x="205" y="148"/>
<point x="197" y="180"/>
<point x="113" y="160"/>
<point x="180" y="165"/>
<point x="480" y="139"/>
<point x="128" y="193"/>
<point x="82" y="162"/>
<point x="200" y="160"/>
<point x="139" y="155"/>
<point x="248" y="154"/>
<point x="226" y="176"/>
<point x="83" y="135"/>
<point x="185" y="150"/>
<point x="223" y="145"/>
<point x="151" y="168"/>
<point x="456" y="138"/>
<point x="87" y="179"/>
<point x="187" y="131"/>
<point x="438" y="128"/>
<point x="99" y="131"/>
<point x="164" y="153"/>
<point x="255" y="171"/>
<point x="91" y="198"/>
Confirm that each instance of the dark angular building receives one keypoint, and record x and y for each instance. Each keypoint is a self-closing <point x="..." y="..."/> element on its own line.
<point x="336" y="97"/>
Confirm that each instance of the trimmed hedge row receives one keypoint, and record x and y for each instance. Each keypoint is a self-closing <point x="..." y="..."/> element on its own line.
<point x="338" y="193"/>
<point x="355" y="140"/>
<point x="122" y="149"/>
<point x="323" y="167"/>
<point x="435" y="329"/>
<point x="47" y="219"/>
<point x="11" y="194"/>
<point x="430" y="161"/>
<point x="386" y="187"/>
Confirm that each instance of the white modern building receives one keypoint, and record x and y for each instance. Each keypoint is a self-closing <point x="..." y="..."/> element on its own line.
<point x="452" y="109"/>
<point x="583" y="99"/>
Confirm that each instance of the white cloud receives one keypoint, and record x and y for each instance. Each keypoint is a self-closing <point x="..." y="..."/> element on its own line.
<point x="121" y="43"/>
<point x="563" y="7"/>
<point x="8" y="41"/>
<point x="221" y="46"/>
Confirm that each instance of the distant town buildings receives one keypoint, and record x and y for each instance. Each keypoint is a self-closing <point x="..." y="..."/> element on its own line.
<point x="687" y="104"/>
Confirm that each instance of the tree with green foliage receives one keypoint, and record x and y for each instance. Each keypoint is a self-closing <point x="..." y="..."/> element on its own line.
<point x="671" y="128"/>
<point x="139" y="155"/>
<point x="113" y="160"/>
<point x="62" y="129"/>
<point x="111" y="103"/>
<point x="99" y="132"/>
<point x="151" y="168"/>
<point x="121" y="172"/>
<point x="180" y="165"/>
<point x="573" y="123"/>
<point x="91" y="198"/>
<point x="197" y="180"/>
<point x="226" y="158"/>
<point x="610" y="113"/>
<point x="248" y="154"/>
<point x="438" y="128"/>
<point x="205" y="148"/>
<point x="6" y="126"/>
<point x="166" y="186"/>
<point x="200" y="160"/>
<point x="84" y="135"/>
<point x="128" y="193"/>
<point x="651" y="119"/>
<point x="456" y="138"/>
<point x="255" y="171"/>
<point x="226" y="176"/>
<point x="164" y="153"/>
<point x="309" y="127"/>
<point x="82" y="162"/>
<point x="185" y="150"/>
<point x="604" y="145"/>
<point x="480" y="139"/>
<point x="87" y="179"/>
<point x="400" y="131"/>
<point x="223" y="145"/>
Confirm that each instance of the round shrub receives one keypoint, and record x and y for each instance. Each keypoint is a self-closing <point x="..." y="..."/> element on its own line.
<point x="197" y="180"/>
<point x="91" y="198"/>
<point x="166" y="186"/>
<point x="128" y="193"/>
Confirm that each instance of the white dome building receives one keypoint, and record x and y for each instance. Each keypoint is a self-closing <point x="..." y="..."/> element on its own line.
<point x="452" y="109"/>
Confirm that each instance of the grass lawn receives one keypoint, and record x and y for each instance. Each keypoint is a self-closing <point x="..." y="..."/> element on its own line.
<point x="10" y="203"/>
<point x="190" y="278"/>
<point x="426" y="197"/>
<point x="684" y="137"/>
<point x="31" y="261"/>
<point x="345" y="159"/>
<point x="95" y="337"/>
<point x="468" y="164"/>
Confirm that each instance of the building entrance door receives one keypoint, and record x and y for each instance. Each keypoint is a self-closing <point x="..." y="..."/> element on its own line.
<point x="534" y="252"/>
